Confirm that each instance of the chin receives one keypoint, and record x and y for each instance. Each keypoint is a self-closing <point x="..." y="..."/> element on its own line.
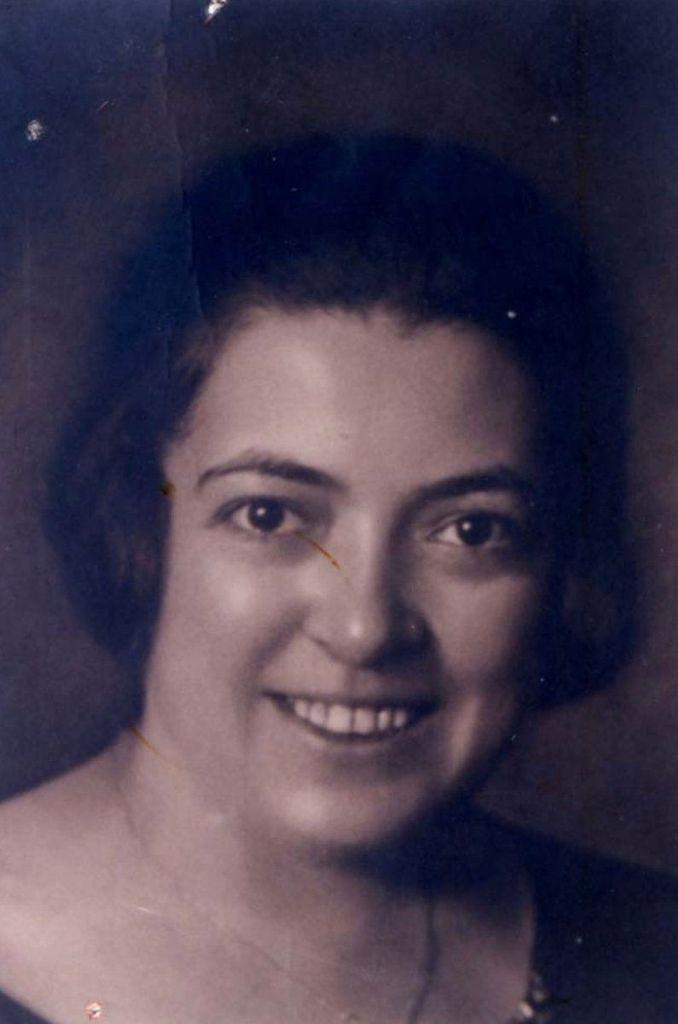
<point x="358" y="825"/>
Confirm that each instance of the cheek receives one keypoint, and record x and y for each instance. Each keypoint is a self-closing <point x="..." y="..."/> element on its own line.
<point x="224" y="608"/>
<point x="486" y="640"/>
<point x="486" y="631"/>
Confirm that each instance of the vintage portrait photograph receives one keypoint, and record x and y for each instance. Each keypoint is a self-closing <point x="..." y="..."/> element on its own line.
<point x="338" y="487"/>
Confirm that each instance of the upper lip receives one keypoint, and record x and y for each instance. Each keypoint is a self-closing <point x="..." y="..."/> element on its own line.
<point x="354" y="700"/>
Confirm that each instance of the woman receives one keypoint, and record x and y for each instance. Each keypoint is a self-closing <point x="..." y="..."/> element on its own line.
<point x="349" y="516"/>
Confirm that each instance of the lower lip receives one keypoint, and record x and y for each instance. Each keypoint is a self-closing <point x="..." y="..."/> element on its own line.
<point x="354" y="740"/>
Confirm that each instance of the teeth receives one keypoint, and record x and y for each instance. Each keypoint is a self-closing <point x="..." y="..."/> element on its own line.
<point x="364" y="721"/>
<point x="385" y="720"/>
<point x="400" y="717"/>
<point x="339" y="718"/>
<point x="317" y="713"/>
<point x="302" y="708"/>
<point x="347" y="720"/>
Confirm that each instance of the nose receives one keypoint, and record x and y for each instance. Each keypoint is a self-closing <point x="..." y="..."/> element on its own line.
<point x="360" y="615"/>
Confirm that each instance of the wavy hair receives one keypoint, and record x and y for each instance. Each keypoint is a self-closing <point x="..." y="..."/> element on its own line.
<point x="433" y="231"/>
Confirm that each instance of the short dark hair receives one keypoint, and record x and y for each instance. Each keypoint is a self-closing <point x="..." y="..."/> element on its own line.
<point x="434" y="232"/>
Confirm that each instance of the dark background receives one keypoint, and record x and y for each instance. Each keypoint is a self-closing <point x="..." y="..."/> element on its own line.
<point x="129" y="96"/>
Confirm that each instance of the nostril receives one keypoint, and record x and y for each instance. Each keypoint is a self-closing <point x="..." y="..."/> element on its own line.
<point x="358" y="617"/>
<point x="411" y="631"/>
<point x="414" y="628"/>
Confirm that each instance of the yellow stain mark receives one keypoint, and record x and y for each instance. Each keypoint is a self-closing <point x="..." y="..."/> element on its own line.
<point x="322" y="550"/>
<point x="168" y="489"/>
<point x="142" y="739"/>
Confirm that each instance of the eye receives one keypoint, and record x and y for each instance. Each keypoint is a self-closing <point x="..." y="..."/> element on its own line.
<point x="265" y="516"/>
<point x="477" y="530"/>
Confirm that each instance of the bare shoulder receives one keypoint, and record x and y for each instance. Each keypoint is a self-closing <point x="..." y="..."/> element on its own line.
<point x="50" y="835"/>
<point x="62" y="862"/>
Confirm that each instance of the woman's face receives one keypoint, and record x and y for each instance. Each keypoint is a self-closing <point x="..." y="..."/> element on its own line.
<point x="353" y="581"/>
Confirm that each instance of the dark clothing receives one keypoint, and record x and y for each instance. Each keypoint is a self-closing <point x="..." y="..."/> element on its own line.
<point x="607" y="939"/>
<point x="606" y="944"/>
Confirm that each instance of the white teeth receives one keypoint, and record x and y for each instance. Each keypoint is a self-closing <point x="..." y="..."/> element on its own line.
<point x="302" y="708"/>
<point x="347" y="720"/>
<point x="339" y="718"/>
<point x="385" y="720"/>
<point x="317" y="713"/>
<point x="364" y="720"/>
<point x="400" y="717"/>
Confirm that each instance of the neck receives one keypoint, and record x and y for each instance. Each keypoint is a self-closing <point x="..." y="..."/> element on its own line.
<point x="206" y="859"/>
<point x="356" y="932"/>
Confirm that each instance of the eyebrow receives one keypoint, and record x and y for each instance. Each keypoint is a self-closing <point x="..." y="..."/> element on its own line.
<point x="494" y="478"/>
<point x="266" y="464"/>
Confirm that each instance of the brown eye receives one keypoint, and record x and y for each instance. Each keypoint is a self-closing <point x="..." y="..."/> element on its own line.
<point x="263" y="517"/>
<point x="476" y="530"/>
<point x="266" y="516"/>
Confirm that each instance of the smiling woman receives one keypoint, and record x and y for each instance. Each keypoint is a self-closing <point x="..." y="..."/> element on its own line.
<point x="393" y="434"/>
<point x="430" y="529"/>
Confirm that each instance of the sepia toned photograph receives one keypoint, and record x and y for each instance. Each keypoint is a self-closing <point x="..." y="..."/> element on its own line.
<point x="338" y="501"/>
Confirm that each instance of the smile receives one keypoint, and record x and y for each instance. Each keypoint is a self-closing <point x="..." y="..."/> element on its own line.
<point x="353" y="721"/>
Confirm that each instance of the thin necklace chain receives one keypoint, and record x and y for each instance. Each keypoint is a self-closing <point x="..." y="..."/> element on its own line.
<point x="425" y="975"/>
<point x="429" y="967"/>
<point x="536" y="1007"/>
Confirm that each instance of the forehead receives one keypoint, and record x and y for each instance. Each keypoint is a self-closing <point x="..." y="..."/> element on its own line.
<point x="365" y="394"/>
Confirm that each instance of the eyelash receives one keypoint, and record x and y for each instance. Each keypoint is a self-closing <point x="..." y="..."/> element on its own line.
<point x="512" y="534"/>
<point x="227" y="514"/>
